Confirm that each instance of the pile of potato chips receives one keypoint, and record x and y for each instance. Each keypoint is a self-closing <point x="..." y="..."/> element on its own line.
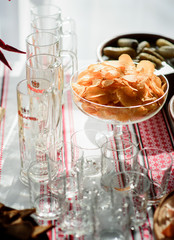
<point x="120" y="90"/>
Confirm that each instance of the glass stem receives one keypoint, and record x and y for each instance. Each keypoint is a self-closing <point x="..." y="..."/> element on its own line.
<point x="118" y="130"/>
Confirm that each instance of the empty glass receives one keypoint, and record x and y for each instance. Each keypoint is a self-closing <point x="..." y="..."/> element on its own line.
<point x="67" y="179"/>
<point x="110" y="218"/>
<point x="89" y="141"/>
<point x="50" y="67"/>
<point x="156" y="164"/>
<point x="48" y="206"/>
<point x="64" y="29"/>
<point x="78" y="219"/>
<point x="117" y="156"/>
<point x="42" y="42"/>
<point x="135" y="187"/>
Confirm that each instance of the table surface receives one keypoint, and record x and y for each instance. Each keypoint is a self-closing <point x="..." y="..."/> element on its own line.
<point x="92" y="28"/>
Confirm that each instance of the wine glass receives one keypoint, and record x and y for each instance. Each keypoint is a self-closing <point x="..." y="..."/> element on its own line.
<point x="119" y="116"/>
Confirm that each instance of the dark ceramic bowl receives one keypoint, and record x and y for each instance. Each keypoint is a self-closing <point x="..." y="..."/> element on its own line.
<point x="171" y="111"/>
<point x="112" y="42"/>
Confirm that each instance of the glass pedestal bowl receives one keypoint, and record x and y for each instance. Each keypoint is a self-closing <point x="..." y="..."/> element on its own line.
<point x="119" y="116"/>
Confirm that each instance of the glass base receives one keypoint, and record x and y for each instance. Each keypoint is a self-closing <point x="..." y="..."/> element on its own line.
<point x="112" y="235"/>
<point x="23" y="178"/>
<point x="47" y="207"/>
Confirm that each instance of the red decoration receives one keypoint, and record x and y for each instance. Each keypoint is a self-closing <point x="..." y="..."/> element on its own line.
<point x="7" y="48"/>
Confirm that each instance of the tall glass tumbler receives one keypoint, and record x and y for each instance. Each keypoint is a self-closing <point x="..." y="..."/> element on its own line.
<point x="49" y="67"/>
<point x="64" y="30"/>
<point x="34" y="122"/>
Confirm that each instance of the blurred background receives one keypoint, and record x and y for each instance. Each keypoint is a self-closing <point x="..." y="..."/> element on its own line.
<point x="96" y="21"/>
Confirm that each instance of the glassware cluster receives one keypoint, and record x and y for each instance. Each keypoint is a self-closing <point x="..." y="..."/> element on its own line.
<point x="99" y="184"/>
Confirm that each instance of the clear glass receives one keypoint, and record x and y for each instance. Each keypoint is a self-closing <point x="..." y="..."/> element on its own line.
<point x="42" y="42"/>
<point x="34" y="122"/>
<point x="46" y="24"/>
<point x="50" y="67"/>
<point x="156" y="164"/>
<point x="78" y="220"/>
<point x="135" y="186"/>
<point x="110" y="215"/>
<point x="64" y="30"/>
<point x="116" y="157"/>
<point x="65" y="170"/>
<point x="46" y="10"/>
<point x="89" y="141"/>
<point x="48" y="206"/>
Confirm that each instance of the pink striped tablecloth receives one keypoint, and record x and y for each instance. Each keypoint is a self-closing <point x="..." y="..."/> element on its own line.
<point x="156" y="132"/>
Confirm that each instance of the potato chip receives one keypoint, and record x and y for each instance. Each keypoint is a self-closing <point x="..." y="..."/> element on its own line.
<point x="96" y="94"/>
<point x="79" y="89"/>
<point x="157" y="81"/>
<point x="85" y="80"/>
<point x="158" y="92"/>
<point x="115" y="64"/>
<point x="127" y="61"/>
<point x="128" y="97"/>
<point x="130" y="78"/>
<point x="89" y="108"/>
<point x="96" y="82"/>
<point x="145" y="67"/>
<point x="107" y="83"/>
<point x="105" y="71"/>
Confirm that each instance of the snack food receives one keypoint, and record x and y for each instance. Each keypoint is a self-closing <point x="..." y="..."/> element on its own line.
<point x="18" y="225"/>
<point x="120" y="90"/>
<point x="164" y="218"/>
<point x="161" y="50"/>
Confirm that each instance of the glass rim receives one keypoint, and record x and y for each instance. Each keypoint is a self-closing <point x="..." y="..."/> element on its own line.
<point x="36" y="93"/>
<point x="55" y="57"/>
<point x="132" y="145"/>
<point x="41" y="164"/>
<point x="127" y="173"/>
<point x="81" y="147"/>
<point x="35" y="9"/>
<point x="56" y="27"/>
<point x="56" y="39"/>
